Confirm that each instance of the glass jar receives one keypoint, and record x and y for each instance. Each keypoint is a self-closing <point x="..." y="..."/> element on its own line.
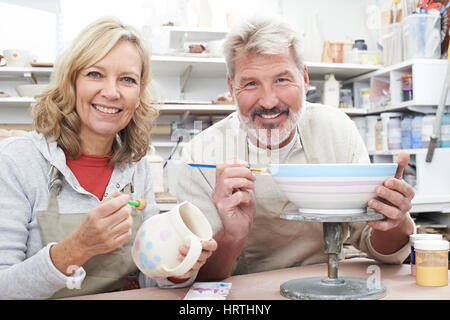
<point x="431" y="262"/>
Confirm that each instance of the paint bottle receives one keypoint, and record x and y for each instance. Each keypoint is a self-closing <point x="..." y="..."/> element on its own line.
<point x="431" y="262"/>
<point x="416" y="237"/>
<point x="416" y="128"/>
<point x="427" y="129"/>
<point x="445" y="131"/>
<point x="378" y="135"/>
<point x="394" y="133"/>
<point x="406" y="132"/>
<point x="331" y="91"/>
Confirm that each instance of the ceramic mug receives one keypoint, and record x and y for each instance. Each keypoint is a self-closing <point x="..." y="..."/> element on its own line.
<point x="18" y="58"/>
<point x="156" y="246"/>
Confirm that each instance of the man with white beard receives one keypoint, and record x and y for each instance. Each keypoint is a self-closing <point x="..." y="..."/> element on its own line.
<point x="275" y="124"/>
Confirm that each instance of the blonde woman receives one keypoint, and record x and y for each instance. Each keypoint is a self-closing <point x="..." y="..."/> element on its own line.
<point x="59" y="234"/>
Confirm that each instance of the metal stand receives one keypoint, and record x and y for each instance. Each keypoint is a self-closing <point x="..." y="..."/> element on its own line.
<point x="332" y="287"/>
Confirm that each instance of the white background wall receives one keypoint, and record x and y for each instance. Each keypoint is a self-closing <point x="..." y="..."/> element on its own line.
<point x="33" y="25"/>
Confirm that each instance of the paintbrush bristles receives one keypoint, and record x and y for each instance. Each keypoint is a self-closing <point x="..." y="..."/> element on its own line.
<point x="141" y="205"/>
<point x="265" y="170"/>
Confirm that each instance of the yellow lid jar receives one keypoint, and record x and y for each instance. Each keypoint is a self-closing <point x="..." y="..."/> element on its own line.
<point x="431" y="262"/>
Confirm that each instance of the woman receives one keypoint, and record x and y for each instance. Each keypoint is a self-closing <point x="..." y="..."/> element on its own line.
<point x="58" y="224"/>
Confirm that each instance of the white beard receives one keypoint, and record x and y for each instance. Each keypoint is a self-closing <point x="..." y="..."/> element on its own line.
<point x="273" y="137"/>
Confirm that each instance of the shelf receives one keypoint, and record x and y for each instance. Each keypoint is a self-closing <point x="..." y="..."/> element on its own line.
<point x="202" y="66"/>
<point x="197" y="108"/>
<point x="402" y="66"/>
<point x="167" y="144"/>
<point x="23" y="71"/>
<point x="19" y="102"/>
<point x="342" y="71"/>
<point x="395" y="152"/>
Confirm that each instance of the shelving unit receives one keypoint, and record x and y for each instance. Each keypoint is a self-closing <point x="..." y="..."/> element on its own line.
<point x="432" y="179"/>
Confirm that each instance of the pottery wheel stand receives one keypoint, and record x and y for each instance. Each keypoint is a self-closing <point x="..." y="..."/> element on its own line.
<point x="331" y="287"/>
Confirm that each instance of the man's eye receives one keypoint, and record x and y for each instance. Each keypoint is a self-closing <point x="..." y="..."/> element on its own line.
<point x="281" y="80"/>
<point x="250" y="84"/>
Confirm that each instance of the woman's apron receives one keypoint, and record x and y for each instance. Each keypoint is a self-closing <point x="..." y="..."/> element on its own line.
<point x="105" y="272"/>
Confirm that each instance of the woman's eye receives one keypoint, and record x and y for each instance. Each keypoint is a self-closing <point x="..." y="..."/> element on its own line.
<point x="94" y="74"/>
<point x="129" y="80"/>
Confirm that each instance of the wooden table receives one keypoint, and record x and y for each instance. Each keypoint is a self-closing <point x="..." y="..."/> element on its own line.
<point x="400" y="284"/>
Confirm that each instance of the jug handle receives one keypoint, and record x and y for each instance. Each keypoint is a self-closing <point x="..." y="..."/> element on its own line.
<point x="195" y="249"/>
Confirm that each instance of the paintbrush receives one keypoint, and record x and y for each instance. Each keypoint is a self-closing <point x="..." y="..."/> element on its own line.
<point x="198" y="165"/>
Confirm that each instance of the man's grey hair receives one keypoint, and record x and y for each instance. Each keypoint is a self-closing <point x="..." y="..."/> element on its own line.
<point x="262" y="35"/>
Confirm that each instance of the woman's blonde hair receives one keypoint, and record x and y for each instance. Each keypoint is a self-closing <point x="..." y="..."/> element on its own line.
<point x="55" y="114"/>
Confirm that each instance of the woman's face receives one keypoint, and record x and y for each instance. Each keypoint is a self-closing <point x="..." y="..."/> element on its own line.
<point x="107" y="94"/>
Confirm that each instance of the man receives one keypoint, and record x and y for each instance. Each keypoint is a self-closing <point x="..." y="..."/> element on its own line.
<point x="268" y="81"/>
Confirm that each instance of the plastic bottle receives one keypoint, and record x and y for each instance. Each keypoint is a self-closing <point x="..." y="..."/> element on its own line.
<point x="416" y="128"/>
<point x="378" y="130"/>
<point x="406" y="132"/>
<point x="370" y="136"/>
<point x="427" y="129"/>
<point x="445" y="130"/>
<point x="431" y="262"/>
<point x="394" y="133"/>
<point x="331" y="92"/>
<point x="416" y="237"/>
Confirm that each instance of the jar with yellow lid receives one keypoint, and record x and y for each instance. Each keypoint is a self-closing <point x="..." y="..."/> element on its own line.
<point x="431" y="262"/>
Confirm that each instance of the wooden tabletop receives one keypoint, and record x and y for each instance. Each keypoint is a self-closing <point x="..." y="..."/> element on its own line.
<point x="400" y="284"/>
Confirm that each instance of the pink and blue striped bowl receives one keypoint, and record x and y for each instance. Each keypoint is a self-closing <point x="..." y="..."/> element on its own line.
<point x="331" y="188"/>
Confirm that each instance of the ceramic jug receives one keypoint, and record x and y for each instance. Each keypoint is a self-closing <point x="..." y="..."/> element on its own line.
<point x="156" y="246"/>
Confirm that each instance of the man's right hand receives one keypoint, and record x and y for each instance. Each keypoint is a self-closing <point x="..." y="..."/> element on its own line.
<point x="233" y="197"/>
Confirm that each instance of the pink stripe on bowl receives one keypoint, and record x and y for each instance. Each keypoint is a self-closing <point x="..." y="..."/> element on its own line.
<point x="330" y="183"/>
<point x="307" y="192"/>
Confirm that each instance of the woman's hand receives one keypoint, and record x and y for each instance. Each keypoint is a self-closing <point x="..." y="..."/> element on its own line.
<point x="208" y="247"/>
<point x="104" y="229"/>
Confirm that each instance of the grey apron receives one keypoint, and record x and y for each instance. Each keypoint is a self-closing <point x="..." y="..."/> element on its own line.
<point x="105" y="272"/>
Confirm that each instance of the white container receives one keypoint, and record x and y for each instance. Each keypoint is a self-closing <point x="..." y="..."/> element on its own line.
<point x="365" y="98"/>
<point x="370" y="137"/>
<point x="394" y="133"/>
<point x="331" y="91"/>
<point x="431" y="262"/>
<point x="415" y="237"/>
<point x="427" y="129"/>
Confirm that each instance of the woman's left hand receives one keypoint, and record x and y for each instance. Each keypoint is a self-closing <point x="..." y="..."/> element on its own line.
<point x="208" y="247"/>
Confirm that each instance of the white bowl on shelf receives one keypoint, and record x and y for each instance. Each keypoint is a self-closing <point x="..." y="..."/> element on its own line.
<point x="30" y="90"/>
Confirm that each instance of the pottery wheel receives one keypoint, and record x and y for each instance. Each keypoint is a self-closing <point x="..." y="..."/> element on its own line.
<point x="331" y="287"/>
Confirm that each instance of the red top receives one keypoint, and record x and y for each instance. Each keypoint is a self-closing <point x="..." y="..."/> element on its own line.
<point x="92" y="172"/>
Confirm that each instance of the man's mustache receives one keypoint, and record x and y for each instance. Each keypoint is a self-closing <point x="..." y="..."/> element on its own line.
<point x="264" y="111"/>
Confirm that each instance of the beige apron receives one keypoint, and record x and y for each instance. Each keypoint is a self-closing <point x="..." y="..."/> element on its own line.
<point x="104" y="272"/>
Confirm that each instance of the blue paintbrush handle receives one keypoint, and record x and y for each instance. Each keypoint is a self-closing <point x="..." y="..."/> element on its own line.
<point x="196" y="165"/>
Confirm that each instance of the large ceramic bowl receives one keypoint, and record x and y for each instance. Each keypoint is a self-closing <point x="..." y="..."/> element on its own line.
<point x="331" y="188"/>
<point x="30" y="90"/>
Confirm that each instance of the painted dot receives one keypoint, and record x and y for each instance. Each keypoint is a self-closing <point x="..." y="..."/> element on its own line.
<point x="165" y="235"/>
<point x="143" y="233"/>
<point x="145" y="263"/>
<point x="137" y="245"/>
<point x="149" y="245"/>
<point x="157" y="258"/>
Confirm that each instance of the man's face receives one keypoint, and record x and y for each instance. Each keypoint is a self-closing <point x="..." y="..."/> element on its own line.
<point x="269" y="91"/>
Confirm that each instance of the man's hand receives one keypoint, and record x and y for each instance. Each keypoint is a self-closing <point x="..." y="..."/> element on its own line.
<point x="233" y="197"/>
<point x="395" y="198"/>
<point x="394" y="202"/>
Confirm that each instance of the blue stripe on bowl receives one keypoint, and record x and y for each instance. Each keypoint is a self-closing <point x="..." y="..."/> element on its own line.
<point x="333" y="170"/>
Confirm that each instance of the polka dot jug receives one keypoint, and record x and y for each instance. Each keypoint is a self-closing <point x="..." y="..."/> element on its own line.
<point x="156" y="246"/>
